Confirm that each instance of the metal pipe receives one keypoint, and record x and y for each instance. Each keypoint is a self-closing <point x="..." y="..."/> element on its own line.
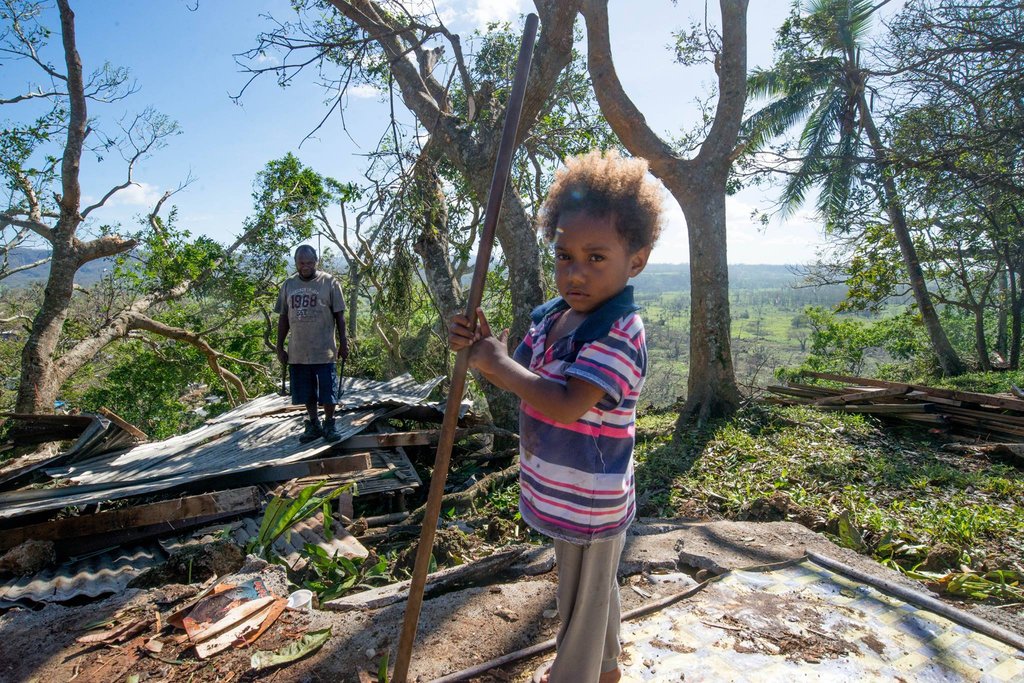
<point x="503" y="165"/>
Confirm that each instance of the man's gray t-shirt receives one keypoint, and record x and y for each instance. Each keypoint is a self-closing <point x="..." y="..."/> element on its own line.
<point x="311" y="305"/>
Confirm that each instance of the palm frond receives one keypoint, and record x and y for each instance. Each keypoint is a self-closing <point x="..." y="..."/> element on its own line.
<point x="834" y="197"/>
<point x="815" y="142"/>
<point x="776" y="118"/>
<point x="848" y="21"/>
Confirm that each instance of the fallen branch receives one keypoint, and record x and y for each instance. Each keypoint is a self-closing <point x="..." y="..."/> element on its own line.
<point x="486" y="567"/>
<point x="142" y="322"/>
<point x="461" y="500"/>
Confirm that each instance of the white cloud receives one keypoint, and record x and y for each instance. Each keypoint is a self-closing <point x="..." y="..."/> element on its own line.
<point x="793" y="240"/>
<point x="363" y="91"/>
<point x="478" y="13"/>
<point x="267" y="58"/>
<point x="484" y="11"/>
<point x="136" y="195"/>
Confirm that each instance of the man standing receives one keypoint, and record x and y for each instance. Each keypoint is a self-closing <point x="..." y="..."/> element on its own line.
<point x="311" y="307"/>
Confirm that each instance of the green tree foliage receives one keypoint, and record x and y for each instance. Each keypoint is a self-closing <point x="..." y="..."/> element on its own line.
<point x="821" y="81"/>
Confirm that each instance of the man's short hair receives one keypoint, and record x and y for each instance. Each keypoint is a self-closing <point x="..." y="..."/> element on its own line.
<point x="305" y="249"/>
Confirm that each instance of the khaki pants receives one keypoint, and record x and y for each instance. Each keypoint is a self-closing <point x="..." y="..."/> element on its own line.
<point x="588" y="605"/>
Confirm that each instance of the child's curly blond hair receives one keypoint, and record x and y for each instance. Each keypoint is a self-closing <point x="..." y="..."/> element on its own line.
<point x="602" y="184"/>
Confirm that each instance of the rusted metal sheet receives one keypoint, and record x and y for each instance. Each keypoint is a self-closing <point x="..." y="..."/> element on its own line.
<point x="93" y="435"/>
<point x="258" y="442"/>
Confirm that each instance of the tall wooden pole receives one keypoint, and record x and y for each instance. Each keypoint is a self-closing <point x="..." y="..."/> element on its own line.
<point x="506" y="150"/>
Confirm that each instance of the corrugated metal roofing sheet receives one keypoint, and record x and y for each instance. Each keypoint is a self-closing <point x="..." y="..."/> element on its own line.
<point x="355" y="393"/>
<point x="110" y="572"/>
<point x="289" y="546"/>
<point x="107" y="572"/>
<point x="253" y="435"/>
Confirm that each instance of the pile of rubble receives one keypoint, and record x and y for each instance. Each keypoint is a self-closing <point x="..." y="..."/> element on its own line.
<point x="93" y="518"/>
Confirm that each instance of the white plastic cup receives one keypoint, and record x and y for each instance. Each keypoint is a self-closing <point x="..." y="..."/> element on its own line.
<point x="301" y="600"/>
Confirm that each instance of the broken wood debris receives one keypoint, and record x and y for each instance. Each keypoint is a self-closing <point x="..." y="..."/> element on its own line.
<point x="984" y="416"/>
<point x="443" y="579"/>
<point x="146" y="520"/>
<point x="217" y="473"/>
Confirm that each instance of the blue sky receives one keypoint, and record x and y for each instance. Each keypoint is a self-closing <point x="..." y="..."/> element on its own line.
<point x="184" y="66"/>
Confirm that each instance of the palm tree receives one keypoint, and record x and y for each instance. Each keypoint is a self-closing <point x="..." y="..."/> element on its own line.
<point x="818" y="78"/>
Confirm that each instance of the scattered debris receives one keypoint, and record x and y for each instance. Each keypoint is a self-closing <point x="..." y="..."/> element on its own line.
<point x="970" y="413"/>
<point x="307" y="645"/>
<point x="232" y="457"/>
<point x="192" y="564"/>
<point x="28" y="558"/>
<point x="444" y="579"/>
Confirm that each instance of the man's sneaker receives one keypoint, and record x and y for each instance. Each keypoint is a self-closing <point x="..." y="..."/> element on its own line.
<point x="311" y="432"/>
<point x="330" y="431"/>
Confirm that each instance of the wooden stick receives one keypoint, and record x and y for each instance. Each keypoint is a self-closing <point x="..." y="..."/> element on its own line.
<point x="451" y="413"/>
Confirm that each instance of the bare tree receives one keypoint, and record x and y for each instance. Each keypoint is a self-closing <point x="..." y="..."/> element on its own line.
<point x="698" y="184"/>
<point x="45" y="201"/>
<point x="387" y="37"/>
<point x="458" y="112"/>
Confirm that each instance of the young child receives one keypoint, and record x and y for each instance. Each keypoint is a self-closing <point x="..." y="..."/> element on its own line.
<point x="579" y="372"/>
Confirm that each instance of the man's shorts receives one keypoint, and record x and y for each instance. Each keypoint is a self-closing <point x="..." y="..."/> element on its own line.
<point x="313" y="383"/>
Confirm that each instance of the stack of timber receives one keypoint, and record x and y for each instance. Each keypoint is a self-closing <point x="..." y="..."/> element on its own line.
<point x="992" y="417"/>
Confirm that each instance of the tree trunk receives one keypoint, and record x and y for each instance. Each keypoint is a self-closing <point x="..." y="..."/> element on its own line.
<point x="39" y="386"/>
<point x="354" y="280"/>
<point x="699" y="186"/>
<point x="432" y="241"/>
<point x="1016" y="314"/>
<point x="980" y="343"/>
<point x="1002" y="315"/>
<point x="711" y="386"/>
<point x="946" y="355"/>
<point x="39" y="383"/>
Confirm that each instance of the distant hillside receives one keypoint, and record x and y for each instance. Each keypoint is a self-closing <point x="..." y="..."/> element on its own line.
<point x="88" y="274"/>
<point x="658" y="278"/>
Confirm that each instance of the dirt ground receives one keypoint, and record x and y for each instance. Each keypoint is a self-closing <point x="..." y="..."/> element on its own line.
<point x="457" y="630"/>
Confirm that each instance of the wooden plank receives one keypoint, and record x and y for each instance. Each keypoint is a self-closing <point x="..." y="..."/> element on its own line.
<point x="922" y="396"/>
<point x="969" y="396"/>
<point x="986" y="416"/>
<point x="859" y="396"/>
<point x="307" y="468"/>
<point x="987" y="427"/>
<point x="154" y="515"/>
<point x="123" y="424"/>
<point x="789" y="391"/>
<point x="390" y="440"/>
<point x="881" y="408"/>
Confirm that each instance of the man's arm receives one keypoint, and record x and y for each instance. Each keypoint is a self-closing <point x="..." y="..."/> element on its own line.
<point x="282" y="332"/>
<point x="339" y="321"/>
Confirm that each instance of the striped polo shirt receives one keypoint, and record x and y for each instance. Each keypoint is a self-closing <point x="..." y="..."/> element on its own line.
<point x="576" y="479"/>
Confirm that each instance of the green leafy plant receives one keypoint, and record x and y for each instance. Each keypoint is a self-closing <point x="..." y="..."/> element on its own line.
<point x="283" y="513"/>
<point x="332" y="576"/>
<point x="1000" y="584"/>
